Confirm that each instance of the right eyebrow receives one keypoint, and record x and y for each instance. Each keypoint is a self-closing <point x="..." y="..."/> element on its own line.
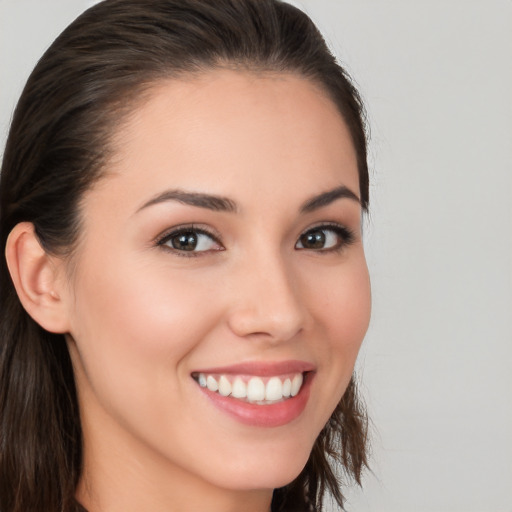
<point x="326" y="198"/>
<point x="208" y="201"/>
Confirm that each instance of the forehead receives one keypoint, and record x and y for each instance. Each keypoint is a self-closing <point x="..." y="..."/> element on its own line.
<point x="215" y="129"/>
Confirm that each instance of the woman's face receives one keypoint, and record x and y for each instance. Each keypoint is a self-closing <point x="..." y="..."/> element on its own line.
<point x="222" y="249"/>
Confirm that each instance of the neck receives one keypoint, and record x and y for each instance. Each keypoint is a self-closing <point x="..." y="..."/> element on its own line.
<point x="108" y="493"/>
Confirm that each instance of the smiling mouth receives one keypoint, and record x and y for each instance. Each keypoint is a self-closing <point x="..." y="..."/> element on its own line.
<point x="253" y="389"/>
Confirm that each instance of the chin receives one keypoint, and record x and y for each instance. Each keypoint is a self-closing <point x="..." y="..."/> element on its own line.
<point x="268" y="471"/>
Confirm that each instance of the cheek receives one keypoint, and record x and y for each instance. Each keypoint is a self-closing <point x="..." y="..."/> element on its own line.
<point x="132" y="340"/>
<point x="343" y="302"/>
<point x="342" y="309"/>
<point x="134" y="327"/>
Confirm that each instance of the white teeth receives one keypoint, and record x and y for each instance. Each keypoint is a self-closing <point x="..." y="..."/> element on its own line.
<point x="296" y="384"/>
<point x="239" y="388"/>
<point x="211" y="383"/>
<point x="255" y="389"/>
<point x="224" y="386"/>
<point x="274" y="389"/>
<point x="287" y="388"/>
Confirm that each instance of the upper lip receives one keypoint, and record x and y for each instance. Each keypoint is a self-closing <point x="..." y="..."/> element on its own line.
<point x="261" y="369"/>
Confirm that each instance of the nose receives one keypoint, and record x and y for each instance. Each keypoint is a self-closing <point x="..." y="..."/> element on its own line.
<point x="266" y="301"/>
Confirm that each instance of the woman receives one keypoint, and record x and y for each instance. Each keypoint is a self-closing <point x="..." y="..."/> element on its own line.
<point x="184" y="291"/>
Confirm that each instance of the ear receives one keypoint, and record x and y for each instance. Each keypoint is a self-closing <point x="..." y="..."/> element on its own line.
<point x="38" y="278"/>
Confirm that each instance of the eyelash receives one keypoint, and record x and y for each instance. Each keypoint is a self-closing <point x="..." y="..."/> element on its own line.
<point x="164" y="239"/>
<point x="345" y="238"/>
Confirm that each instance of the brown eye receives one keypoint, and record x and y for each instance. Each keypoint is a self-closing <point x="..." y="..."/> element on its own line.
<point x="184" y="241"/>
<point x="324" y="238"/>
<point x="313" y="240"/>
<point x="190" y="240"/>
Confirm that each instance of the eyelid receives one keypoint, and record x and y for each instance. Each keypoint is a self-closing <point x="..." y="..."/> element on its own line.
<point x="347" y="236"/>
<point x="165" y="236"/>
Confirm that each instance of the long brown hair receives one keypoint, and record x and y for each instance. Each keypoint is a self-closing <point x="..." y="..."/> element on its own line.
<point x="74" y="101"/>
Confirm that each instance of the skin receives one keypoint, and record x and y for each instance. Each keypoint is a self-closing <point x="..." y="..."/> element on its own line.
<point x="143" y="317"/>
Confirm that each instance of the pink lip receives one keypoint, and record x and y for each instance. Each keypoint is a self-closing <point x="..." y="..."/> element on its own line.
<point x="272" y="415"/>
<point x="260" y="369"/>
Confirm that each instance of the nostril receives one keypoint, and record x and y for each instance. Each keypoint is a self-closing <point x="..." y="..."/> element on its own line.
<point x="266" y="304"/>
<point x="265" y="328"/>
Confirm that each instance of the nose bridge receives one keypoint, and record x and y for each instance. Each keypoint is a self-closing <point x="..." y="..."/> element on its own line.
<point x="267" y="300"/>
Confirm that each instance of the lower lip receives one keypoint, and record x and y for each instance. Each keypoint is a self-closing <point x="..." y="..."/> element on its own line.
<point x="272" y="415"/>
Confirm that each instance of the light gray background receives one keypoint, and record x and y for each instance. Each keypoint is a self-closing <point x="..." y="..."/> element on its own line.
<point x="436" y="365"/>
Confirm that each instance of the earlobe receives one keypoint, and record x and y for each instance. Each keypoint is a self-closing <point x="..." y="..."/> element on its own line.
<point x="38" y="278"/>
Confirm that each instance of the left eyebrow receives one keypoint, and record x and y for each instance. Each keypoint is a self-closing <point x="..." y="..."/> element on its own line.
<point x="208" y="201"/>
<point x="326" y="198"/>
